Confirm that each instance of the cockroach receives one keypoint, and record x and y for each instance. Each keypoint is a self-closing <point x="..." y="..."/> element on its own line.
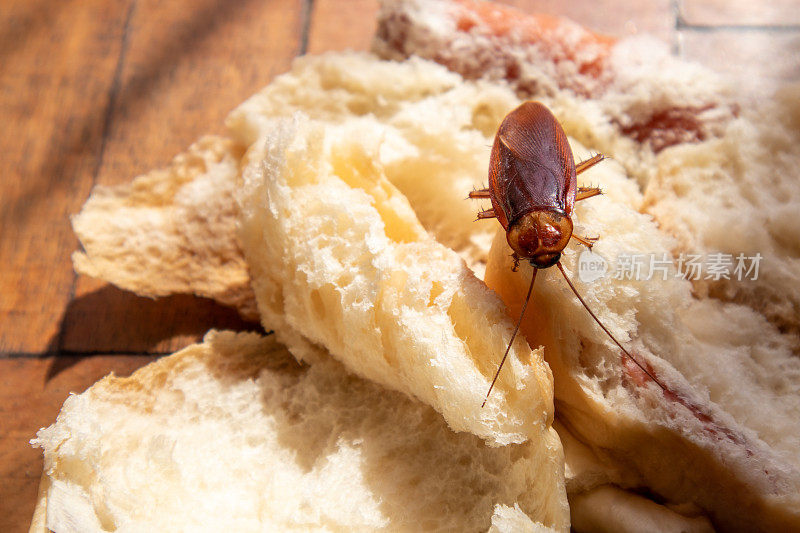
<point x="533" y="187"/>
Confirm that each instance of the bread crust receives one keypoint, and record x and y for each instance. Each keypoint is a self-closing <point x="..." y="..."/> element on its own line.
<point x="234" y="433"/>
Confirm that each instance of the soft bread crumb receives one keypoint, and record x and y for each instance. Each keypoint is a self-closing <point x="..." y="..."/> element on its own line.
<point x="726" y="358"/>
<point x="718" y="167"/>
<point x="338" y="256"/>
<point x="739" y="194"/>
<point x="435" y="130"/>
<point x="233" y="434"/>
<point x="171" y="230"/>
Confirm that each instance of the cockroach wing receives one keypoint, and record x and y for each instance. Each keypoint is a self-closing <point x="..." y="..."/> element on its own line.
<point x="531" y="165"/>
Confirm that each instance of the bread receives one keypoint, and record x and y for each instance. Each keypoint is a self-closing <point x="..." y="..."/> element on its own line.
<point x="171" y="230"/>
<point x="717" y="167"/>
<point x="234" y="434"/>
<point x="715" y="172"/>
<point x="725" y="434"/>
<point x="427" y="131"/>
<point x="438" y="337"/>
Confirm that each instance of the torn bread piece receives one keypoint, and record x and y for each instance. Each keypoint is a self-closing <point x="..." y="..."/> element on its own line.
<point x="171" y="231"/>
<point x="234" y="434"/>
<point x="436" y="130"/>
<point x="725" y="434"/>
<point x="638" y="91"/>
<point x="737" y="197"/>
<point x="339" y="259"/>
<point x="718" y="167"/>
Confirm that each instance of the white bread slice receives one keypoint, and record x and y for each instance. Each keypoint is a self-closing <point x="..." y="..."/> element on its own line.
<point x="170" y="231"/>
<point x="339" y="259"/>
<point x="722" y="361"/>
<point x="739" y="193"/>
<point x="717" y="167"/>
<point x="233" y="434"/>
<point x="436" y="130"/>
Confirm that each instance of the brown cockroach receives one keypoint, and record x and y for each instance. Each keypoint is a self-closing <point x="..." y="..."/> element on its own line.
<point x="533" y="187"/>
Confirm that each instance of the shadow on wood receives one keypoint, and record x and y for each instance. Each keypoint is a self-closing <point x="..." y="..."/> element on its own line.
<point x="111" y="321"/>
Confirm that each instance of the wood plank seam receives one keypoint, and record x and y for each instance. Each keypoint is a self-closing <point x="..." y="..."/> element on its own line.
<point x="78" y="355"/>
<point x="305" y="31"/>
<point x="108" y="116"/>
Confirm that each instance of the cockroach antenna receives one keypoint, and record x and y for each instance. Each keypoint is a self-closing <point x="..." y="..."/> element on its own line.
<point x="627" y="354"/>
<point x="513" y="336"/>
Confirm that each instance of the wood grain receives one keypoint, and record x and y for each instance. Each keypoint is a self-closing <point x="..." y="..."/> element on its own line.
<point x="93" y="92"/>
<point x="337" y="25"/>
<point x="56" y="73"/>
<point x="187" y="64"/>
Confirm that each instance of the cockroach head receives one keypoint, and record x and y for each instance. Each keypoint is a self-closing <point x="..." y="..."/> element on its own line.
<point x="540" y="236"/>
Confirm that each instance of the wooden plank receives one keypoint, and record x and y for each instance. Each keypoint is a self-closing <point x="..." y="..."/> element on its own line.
<point x="337" y="25"/>
<point x="32" y="391"/>
<point x="56" y="70"/>
<point x="187" y="64"/>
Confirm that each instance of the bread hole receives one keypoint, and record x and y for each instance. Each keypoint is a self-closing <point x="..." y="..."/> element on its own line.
<point x="484" y="120"/>
<point x="397" y="229"/>
<point x="326" y="306"/>
<point x="358" y="171"/>
<point x="463" y="325"/>
<point x="392" y="285"/>
<point x="436" y="291"/>
<point x="594" y="366"/>
<point x="318" y="305"/>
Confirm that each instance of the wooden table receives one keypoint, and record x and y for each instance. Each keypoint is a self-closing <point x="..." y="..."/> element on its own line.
<point x="98" y="91"/>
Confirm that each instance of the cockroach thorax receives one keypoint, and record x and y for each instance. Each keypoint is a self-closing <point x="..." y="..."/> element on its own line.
<point x="540" y="236"/>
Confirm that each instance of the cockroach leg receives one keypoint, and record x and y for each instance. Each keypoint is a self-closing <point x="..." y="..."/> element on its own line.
<point x="515" y="257"/>
<point x="587" y="192"/>
<point x="589" y="163"/>
<point x="482" y="193"/>
<point x="586" y="241"/>
<point x="486" y="213"/>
